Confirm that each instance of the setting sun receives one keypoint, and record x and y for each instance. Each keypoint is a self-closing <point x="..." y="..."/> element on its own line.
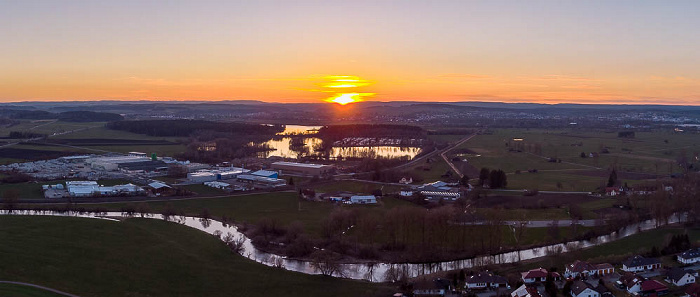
<point x="347" y="83"/>
<point x="346" y="98"/>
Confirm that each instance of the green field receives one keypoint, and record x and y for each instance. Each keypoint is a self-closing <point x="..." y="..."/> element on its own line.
<point x="649" y="153"/>
<point x="48" y="127"/>
<point x="145" y="257"/>
<point x="356" y="186"/>
<point x="284" y="207"/>
<point x="26" y="190"/>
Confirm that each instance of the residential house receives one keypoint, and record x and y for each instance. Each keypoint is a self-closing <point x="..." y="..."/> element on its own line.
<point x="652" y="287"/>
<point x="639" y="263"/>
<point x="584" y="269"/>
<point x="486" y="280"/>
<point x="405" y="193"/>
<point x="538" y="275"/>
<point x="578" y="269"/>
<point x="525" y="291"/>
<point x="690" y="256"/>
<point x="613" y="191"/>
<point x="680" y="276"/>
<point x="437" y="287"/>
<point x="583" y="289"/>
<point x="630" y="282"/>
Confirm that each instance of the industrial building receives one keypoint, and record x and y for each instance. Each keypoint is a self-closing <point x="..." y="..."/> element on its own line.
<point x="266" y="173"/>
<point x="224" y="173"/>
<point x="261" y="181"/>
<point x="91" y="188"/>
<point x="303" y="168"/>
<point x="363" y="199"/>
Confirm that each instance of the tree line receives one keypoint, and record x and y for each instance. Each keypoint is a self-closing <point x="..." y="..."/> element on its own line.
<point x="184" y="128"/>
<point x="68" y="116"/>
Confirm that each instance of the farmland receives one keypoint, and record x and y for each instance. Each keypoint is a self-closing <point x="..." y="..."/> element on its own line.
<point x="517" y="151"/>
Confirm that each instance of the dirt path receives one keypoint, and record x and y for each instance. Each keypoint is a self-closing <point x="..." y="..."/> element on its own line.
<point x="39" y="287"/>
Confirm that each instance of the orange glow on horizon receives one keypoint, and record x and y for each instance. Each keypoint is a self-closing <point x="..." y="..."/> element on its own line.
<point x="347" y="98"/>
<point x="346" y="82"/>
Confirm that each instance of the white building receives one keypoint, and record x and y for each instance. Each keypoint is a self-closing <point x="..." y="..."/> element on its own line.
<point x="680" y="276"/>
<point x="218" y="185"/>
<point x="690" y="256"/>
<point x="201" y="177"/>
<point x="82" y="188"/>
<point x="639" y="263"/>
<point x="363" y="199"/>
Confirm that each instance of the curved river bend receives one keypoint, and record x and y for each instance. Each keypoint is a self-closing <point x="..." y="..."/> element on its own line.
<point x="375" y="272"/>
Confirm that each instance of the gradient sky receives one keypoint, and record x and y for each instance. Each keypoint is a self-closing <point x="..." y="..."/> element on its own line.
<point x="514" y="51"/>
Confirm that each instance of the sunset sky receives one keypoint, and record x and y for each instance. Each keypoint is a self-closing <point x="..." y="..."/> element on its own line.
<point x="285" y="51"/>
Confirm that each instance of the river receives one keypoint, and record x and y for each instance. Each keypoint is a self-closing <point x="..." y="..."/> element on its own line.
<point x="376" y="272"/>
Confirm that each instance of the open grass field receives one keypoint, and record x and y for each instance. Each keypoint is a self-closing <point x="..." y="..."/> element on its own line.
<point x="12" y="290"/>
<point x="144" y="257"/>
<point x="26" y="190"/>
<point x="356" y="186"/>
<point x="47" y="126"/>
<point x="430" y="172"/>
<point x="643" y="157"/>
<point x="285" y="207"/>
<point x="124" y="136"/>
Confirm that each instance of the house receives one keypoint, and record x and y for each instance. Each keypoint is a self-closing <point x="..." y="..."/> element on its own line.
<point x="680" y="276"/>
<point x="639" y="263"/>
<point x="486" y="280"/>
<point x="406" y="193"/>
<point x="612" y="191"/>
<point x="363" y="199"/>
<point x="583" y="289"/>
<point x="406" y="181"/>
<point x="690" y="256"/>
<point x="652" y="287"/>
<point x="525" y="291"/>
<point x="692" y="291"/>
<point x="437" y="287"/>
<point x="578" y="269"/>
<point x="538" y="275"/>
<point x="630" y="282"/>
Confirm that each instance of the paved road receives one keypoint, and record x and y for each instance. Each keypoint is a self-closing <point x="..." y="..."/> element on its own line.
<point x="39" y="287"/>
<point x="459" y="173"/>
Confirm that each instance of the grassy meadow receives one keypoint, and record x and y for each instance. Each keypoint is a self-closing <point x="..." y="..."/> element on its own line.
<point x="145" y="257"/>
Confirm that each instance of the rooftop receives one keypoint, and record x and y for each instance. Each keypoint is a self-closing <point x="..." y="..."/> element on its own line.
<point x="307" y="165"/>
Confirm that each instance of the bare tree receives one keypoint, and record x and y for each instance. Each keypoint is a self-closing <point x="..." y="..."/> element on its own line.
<point x="327" y="263"/>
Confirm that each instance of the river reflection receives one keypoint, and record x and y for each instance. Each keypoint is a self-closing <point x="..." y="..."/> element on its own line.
<point x="375" y="272"/>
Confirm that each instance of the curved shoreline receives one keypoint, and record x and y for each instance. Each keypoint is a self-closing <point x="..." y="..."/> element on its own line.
<point x="370" y="271"/>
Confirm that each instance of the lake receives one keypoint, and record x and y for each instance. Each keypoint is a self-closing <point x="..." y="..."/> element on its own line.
<point x="283" y="147"/>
